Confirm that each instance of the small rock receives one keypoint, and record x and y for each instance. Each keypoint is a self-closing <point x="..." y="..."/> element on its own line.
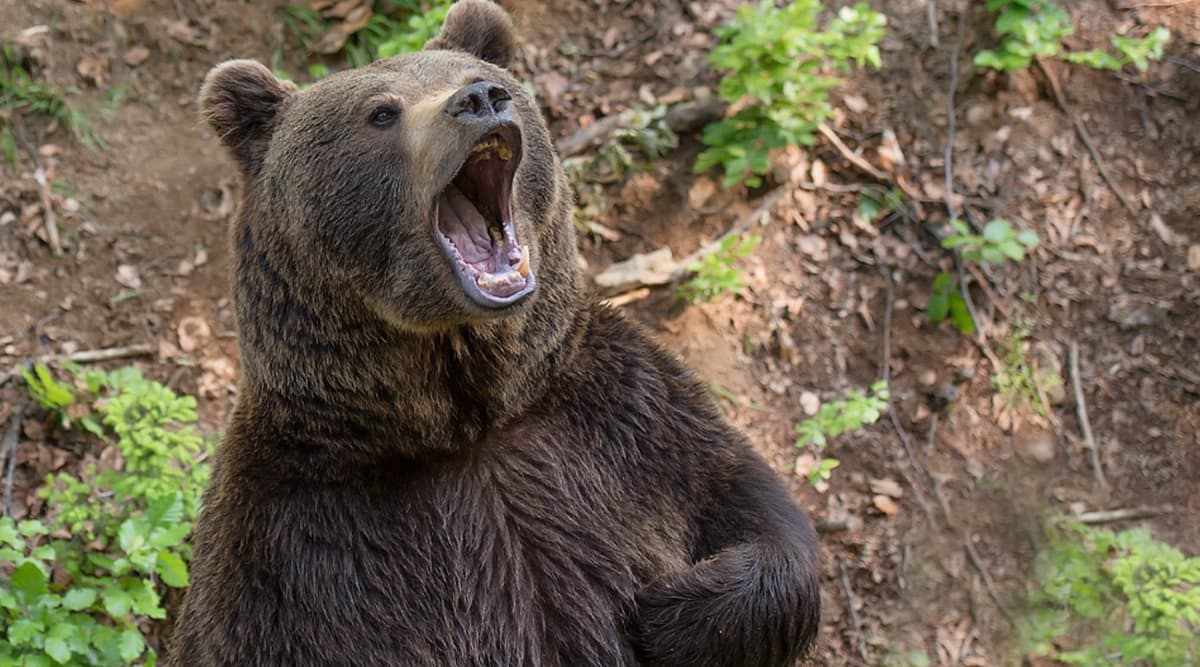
<point x="927" y="378"/>
<point x="136" y="56"/>
<point x="810" y="403"/>
<point x="1034" y="444"/>
<point x="702" y="190"/>
<point x="1131" y="312"/>
<point x="127" y="275"/>
<point x="1193" y="257"/>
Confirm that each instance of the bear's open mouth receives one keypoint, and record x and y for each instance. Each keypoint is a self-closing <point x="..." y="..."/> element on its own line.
<point x="474" y="223"/>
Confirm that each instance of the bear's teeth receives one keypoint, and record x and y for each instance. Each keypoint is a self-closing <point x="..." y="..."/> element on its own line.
<point x="523" y="267"/>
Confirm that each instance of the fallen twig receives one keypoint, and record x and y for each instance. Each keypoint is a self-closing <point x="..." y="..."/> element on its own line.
<point x="1126" y="514"/>
<point x="972" y="554"/>
<point x="10" y="447"/>
<point x="1085" y="424"/>
<point x="854" y="618"/>
<point x="1084" y="136"/>
<point x="108" y="354"/>
<point x="854" y="158"/>
<point x="683" y="118"/>
<point x="628" y="297"/>
<point x="48" y="219"/>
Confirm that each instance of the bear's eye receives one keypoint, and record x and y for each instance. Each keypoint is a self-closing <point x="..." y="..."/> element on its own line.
<point x="384" y="116"/>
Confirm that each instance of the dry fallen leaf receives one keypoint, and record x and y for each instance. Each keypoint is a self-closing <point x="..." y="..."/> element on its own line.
<point x="887" y="487"/>
<point x="885" y="504"/>
<point x="193" y="333"/>
<point x="136" y="56"/>
<point x="641" y="270"/>
<point x="127" y="275"/>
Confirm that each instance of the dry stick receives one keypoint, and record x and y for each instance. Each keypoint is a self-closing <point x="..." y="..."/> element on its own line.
<point x="1085" y="424"/>
<point x="10" y="446"/>
<point x="854" y="158"/>
<point x="108" y="354"/>
<point x="1127" y="514"/>
<point x="948" y="168"/>
<point x="684" y="118"/>
<point x="972" y="553"/>
<point x="854" y="618"/>
<point x="931" y="15"/>
<point x="50" y="221"/>
<point x="1084" y="136"/>
<point x="887" y="362"/>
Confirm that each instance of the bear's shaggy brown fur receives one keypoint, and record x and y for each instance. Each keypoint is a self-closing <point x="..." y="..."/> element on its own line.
<point x="426" y="466"/>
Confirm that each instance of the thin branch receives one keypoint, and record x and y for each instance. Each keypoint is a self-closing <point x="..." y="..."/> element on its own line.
<point x="854" y="618"/>
<point x="108" y="354"/>
<point x="854" y="158"/>
<point x="1126" y="514"/>
<point x="1084" y="136"/>
<point x="10" y="446"/>
<point x="48" y="218"/>
<point x="1085" y="424"/>
<point x="683" y="118"/>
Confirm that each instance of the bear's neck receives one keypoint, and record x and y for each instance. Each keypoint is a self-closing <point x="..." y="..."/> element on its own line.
<point x="328" y="380"/>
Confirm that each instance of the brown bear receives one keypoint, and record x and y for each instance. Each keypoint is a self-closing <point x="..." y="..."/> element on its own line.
<point x="444" y="451"/>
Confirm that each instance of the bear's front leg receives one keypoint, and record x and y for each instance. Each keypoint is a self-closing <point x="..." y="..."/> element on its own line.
<point x="753" y="600"/>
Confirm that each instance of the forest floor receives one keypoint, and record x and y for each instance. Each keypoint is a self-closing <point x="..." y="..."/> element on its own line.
<point x="928" y="542"/>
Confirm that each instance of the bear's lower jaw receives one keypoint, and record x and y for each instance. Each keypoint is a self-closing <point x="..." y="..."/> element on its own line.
<point x="473" y="225"/>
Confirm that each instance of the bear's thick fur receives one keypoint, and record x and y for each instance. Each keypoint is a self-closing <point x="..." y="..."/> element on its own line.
<point x="443" y="451"/>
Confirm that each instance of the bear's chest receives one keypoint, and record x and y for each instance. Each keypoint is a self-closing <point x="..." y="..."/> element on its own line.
<point x="532" y="559"/>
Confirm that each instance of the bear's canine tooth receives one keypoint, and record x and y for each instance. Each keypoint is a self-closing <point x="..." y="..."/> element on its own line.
<point x="523" y="267"/>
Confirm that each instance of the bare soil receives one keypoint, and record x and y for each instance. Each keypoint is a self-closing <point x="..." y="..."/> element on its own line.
<point x="926" y="541"/>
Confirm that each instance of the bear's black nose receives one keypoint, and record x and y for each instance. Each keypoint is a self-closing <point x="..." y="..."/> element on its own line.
<point x="480" y="100"/>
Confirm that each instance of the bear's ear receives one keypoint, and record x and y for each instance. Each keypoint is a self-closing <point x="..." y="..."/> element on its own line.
<point x="480" y="28"/>
<point x="240" y="100"/>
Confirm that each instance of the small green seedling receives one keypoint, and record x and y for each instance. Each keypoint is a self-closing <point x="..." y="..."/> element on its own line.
<point x="998" y="243"/>
<point x="946" y="300"/>
<point x="717" y="272"/>
<point x="776" y="59"/>
<point x="851" y="413"/>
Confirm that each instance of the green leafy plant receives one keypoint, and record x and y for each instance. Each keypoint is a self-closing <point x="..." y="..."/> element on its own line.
<point x="1105" y="598"/>
<point x="1017" y="381"/>
<point x="876" y="202"/>
<point x="998" y="243"/>
<point x="945" y="300"/>
<point x="21" y="95"/>
<point x="717" y="272"/>
<point x="851" y="413"/>
<point x="775" y="59"/>
<point x="86" y="580"/>
<point x="394" y="27"/>
<point x="1032" y="28"/>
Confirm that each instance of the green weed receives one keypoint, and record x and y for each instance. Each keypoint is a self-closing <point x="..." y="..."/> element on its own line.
<point x="1017" y="381"/>
<point x="775" y="59"/>
<point x="1105" y="598"/>
<point x="851" y="413"/>
<point x="945" y="300"/>
<point x="1032" y="28"/>
<point x="998" y="243"/>
<point x="86" y="580"/>
<point x="717" y="272"/>
<point x="21" y="95"/>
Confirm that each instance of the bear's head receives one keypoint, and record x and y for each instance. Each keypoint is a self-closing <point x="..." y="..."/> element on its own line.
<point x="423" y="187"/>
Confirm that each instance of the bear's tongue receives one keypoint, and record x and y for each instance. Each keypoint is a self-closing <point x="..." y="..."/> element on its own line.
<point x="494" y="263"/>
